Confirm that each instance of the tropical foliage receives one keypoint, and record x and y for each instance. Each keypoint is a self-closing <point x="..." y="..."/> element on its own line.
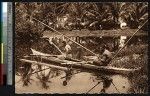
<point x="25" y="28"/>
<point x="83" y="14"/>
<point x="135" y="13"/>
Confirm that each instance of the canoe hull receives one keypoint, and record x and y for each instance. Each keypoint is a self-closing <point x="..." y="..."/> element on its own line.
<point x="80" y="65"/>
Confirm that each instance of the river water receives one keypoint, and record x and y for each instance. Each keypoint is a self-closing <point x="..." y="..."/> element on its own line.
<point x="79" y="83"/>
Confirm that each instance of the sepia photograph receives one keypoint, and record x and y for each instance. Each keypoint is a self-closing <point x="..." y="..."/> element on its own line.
<point x="81" y="47"/>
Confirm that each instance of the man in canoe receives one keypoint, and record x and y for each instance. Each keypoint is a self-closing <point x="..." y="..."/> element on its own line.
<point x="66" y="49"/>
<point x="105" y="58"/>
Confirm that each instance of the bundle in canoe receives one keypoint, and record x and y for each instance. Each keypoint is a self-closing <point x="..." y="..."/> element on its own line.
<point x="58" y="63"/>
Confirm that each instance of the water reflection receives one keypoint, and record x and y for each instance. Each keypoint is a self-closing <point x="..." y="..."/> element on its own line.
<point x="105" y="80"/>
<point x="43" y="76"/>
<point x="106" y="83"/>
<point x="44" y="79"/>
<point x="78" y="82"/>
<point x="68" y="76"/>
<point x="112" y="83"/>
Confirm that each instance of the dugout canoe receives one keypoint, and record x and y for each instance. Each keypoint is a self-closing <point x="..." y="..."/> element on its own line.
<point x="63" y="63"/>
<point x="54" y="62"/>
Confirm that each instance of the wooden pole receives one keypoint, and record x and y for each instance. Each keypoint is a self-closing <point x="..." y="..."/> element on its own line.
<point x="66" y="37"/>
<point x="49" y="65"/>
<point x="128" y="40"/>
<point x="56" y="47"/>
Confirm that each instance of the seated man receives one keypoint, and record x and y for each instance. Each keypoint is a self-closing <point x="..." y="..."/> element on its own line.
<point x="66" y="48"/>
<point x="105" y="59"/>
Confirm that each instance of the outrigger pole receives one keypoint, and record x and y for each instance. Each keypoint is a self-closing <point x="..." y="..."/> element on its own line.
<point x="56" y="47"/>
<point x="87" y="48"/>
<point x="66" y="36"/>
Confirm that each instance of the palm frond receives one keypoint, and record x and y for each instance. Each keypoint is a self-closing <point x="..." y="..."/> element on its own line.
<point x="144" y="17"/>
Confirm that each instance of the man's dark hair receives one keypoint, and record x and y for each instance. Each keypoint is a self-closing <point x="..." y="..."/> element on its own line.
<point x="64" y="42"/>
<point x="103" y="47"/>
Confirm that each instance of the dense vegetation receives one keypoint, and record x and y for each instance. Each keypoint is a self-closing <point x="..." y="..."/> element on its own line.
<point x="92" y="16"/>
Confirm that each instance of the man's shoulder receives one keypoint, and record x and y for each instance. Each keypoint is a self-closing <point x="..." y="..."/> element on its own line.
<point x="68" y="45"/>
<point x="108" y="53"/>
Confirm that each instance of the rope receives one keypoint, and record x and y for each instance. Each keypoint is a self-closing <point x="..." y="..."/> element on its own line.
<point x="128" y="40"/>
<point x="66" y="37"/>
